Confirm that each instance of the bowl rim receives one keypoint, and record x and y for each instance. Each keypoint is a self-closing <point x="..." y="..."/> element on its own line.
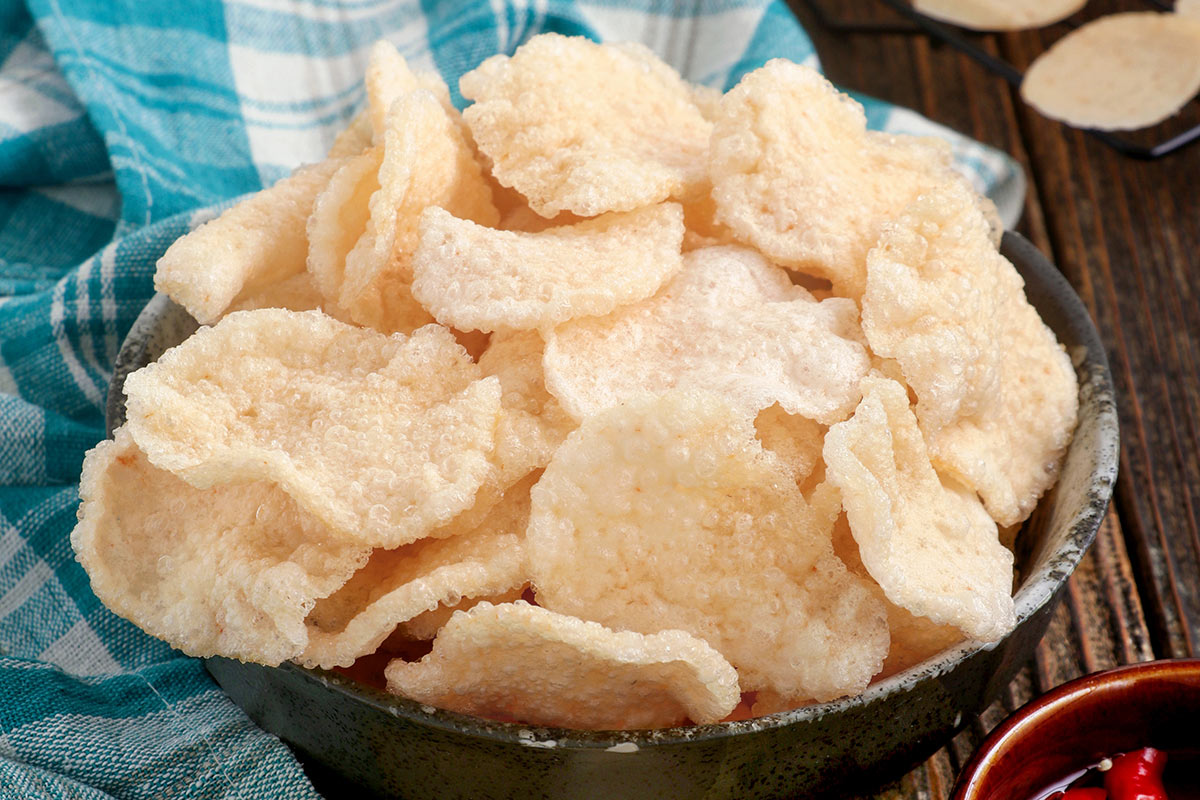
<point x="1018" y="724"/>
<point x="1036" y="590"/>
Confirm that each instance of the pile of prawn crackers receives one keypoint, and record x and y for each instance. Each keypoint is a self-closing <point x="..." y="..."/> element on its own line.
<point x="612" y="402"/>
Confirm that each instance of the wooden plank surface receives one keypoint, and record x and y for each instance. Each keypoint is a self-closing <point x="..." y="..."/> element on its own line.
<point x="1126" y="234"/>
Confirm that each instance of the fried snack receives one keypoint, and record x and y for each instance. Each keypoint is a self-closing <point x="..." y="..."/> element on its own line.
<point x="424" y="627"/>
<point x="389" y="78"/>
<point x="339" y="217"/>
<point x="707" y="99"/>
<point x="913" y="639"/>
<point x="382" y="438"/>
<point x="474" y="277"/>
<point x="934" y="285"/>
<point x="231" y="570"/>
<point x="796" y="440"/>
<point x="426" y="162"/>
<point x="669" y="391"/>
<point x="999" y="15"/>
<point x="524" y="219"/>
<point x="354" y="139"/>
<point x="796" y="174"/>
<point x="996" y="393"/>
<point x="397" y="585"/>
<point x="931" y="546"/>
<point x="297" y="293"/>
<point x="728" y="323"/>
<point x="533" y="424"/>
<point x="701" y="228"/>
<point x="667" y="513"/>
<point x="1119" y="72"/>
<point x="520" y="662"/>
<point x="613" y="129"/>
<point x="256" y="243"/>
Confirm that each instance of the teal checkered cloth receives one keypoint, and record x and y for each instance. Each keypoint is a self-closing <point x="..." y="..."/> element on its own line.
<point x="122" y="123"/>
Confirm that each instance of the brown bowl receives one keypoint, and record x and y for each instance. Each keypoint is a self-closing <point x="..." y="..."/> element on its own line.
<point x="1155" y="704"/>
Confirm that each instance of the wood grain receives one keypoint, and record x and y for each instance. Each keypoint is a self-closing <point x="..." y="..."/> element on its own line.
<point x="1126" y="234"/>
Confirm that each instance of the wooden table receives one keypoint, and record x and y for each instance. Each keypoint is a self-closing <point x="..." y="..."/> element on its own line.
<point x="1126" y="234"/>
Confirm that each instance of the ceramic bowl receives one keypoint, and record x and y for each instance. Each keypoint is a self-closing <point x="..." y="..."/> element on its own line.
<point x="1155" y="704"/>
<point x="389" y="746"/>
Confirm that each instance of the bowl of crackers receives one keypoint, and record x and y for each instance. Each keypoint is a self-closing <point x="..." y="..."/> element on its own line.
<point x="613" y="437"/>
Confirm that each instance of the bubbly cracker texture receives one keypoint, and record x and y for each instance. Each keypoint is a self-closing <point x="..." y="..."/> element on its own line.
<point x="339" y="217"/>
<point x="913" y="638"/>
<point x="388" y="79"/>
<point x="517" y="661"/>
<point x="613" y="129"/>
<point x="997" y="395"/>
<point x="701" y="226"/>
<point x="1119" y="72"/>
<point x="999" y="15"/>
<point x="426" y="162"/>
<point x="524" y="219"/>
<point x="382" y="438"/>
<point x="668" y="513"/>
<point x="534" y="424"/>
<point x="934" y="285"/>
<point x="729" y="323"/>
<point x="397" y="585"/>
<point x="932" y="547"/>
<point x="657" y="307"/>
<point x="473" y="277"/>
<point x="258" y="242"/>
<point x="796" y="440"/>
<point x="297" y="293"/>
<point x="425" y="626"/>
<point x="354" y="139"/>
<point x="229" y="571"/>
<point x="797" y="175"/>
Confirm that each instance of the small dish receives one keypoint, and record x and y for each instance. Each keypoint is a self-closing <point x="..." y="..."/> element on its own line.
<point x="1153" y="704"/>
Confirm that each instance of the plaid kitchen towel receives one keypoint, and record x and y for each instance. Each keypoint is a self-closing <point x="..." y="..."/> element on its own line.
<point x="122" y="124"/>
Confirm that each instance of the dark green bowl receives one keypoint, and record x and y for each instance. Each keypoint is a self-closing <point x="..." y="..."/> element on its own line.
<point x="374" y="743"/>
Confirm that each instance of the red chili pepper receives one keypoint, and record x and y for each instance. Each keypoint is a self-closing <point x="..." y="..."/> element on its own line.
<point x="1084" y="794"/>
<point x="1137" y="775"/>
